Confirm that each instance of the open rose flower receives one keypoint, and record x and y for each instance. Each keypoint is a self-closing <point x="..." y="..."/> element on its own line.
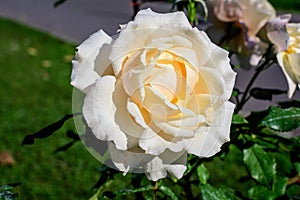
<point x="289" y="60"/>
<point x="235" y="25"/>
<point x="253" y="13"/>
<point x="155" y="92"/>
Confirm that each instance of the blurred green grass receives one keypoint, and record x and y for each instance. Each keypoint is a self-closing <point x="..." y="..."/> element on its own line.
<point x="35" y="91"/>
<point x="293" y="5"/>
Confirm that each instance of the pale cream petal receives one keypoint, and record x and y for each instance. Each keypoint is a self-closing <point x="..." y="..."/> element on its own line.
<point x="156" y="142"/>
<point x="148" y="18"/>
<point x="83" y="73"/>
<point x="201" y="45"/>
<point x="199" y="103"/>
<point x="185" y="127"/>
<point x="187" y="54"/>
<point x="256" y="13"/>
<point x="223" y="122"/>
<point x="219" y="60"/>
<point x="294" y="60"/>
<point x="133" y="76"/>
<point x="176" y="170"/>
<point x="175" y="130"/>
<point x="99" y="112"/>
<point x="135" y="112"/>
<point x="155" y="169"/>
<point x="286" y="68"/>
<point x="168" y="162"/>
<point x="214" y="81"/>
<point x="152" y="143"/>
<point x="167" y="37"/>
<point x="192" y="78"/>
<point x="138" y="33"/>
<point x="158" y="105"/>
<point x="127" y="116"/>
<point x="129" y="161"/>
<point x="127" y="42"/>
<point x="208" y="142"/>
<point x="160" y="43"/>
<point x="165" y="80"/>
<point x="211" y="56"/>
<point x="175" y="163"/>
<point x="181" y="41"/>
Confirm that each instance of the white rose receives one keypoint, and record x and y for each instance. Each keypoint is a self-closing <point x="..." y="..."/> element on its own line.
<point x="254" y="14"/>
<point x="289" y="60"/>
<point x="235" y="25"/>
<point x="156" y="92"/>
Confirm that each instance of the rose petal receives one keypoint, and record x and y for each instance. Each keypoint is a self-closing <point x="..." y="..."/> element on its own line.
<point x="186" y="54"/>
<point x="171" y="162"/>
<point x="158" y="105"/>
<point x="148" y="18"/>
<point x="83" y="73"/>
<point x="256" y="13"/>
<point x="208" y="142"/>
<point x="199" y="103"/>
<point x="133" y="81"/>
<point x="127" y="117"/>
<point x="175" y="163"/>
<point x="127" y="161"/>
<point x="99" y="111"/>
<point x="283" y="60"/>
<point x="214" y="81"/>
<point x="201" y="45"/>
<point x="152" y="143"/>
<point x="219" y="60"/>
<point x="139" y="30"/>
<point x="228" y="11"/>
<point x="185" y="127"/>
<point x="277" y="33"/>
<point x="155" y="169"/>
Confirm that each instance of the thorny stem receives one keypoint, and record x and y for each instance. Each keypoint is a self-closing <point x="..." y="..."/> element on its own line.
<point x="155" y="189"/>
<point x="262" y="66"/>
<point x="293" y="180"/>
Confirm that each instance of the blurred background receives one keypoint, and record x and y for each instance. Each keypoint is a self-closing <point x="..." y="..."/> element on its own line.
<point x="37" y="43"/>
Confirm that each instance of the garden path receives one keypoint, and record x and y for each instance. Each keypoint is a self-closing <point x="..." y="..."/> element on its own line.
<point x="75" y="20"/>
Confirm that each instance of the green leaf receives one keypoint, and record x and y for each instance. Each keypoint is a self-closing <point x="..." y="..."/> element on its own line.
<point x="260" y="164"/>
<point x="297" y="167"/>
<point x="293" y="191"/>
<point x="6" y="192"/>
<point x="48" y="130"/>
<point x="255" y="118"/>
<point x="279" y="185"/>
<point x="59" y="2"/>
<point x="259" y="192"/>
<point x="202" y="173"/>
<point x="129" y="191"/>
<point x="282" y="120"/>
<point x="7" y="195"/>
<point x="235" y="92"/>
<point x="167" y="191"/>
<point x="265" y="94"/>
<point x="283" y="162"/>
<point x="238" y="119"/>
<point x="209" y="192"/>
<point x="288" y="104"/>
<point x="203" y="4"/>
